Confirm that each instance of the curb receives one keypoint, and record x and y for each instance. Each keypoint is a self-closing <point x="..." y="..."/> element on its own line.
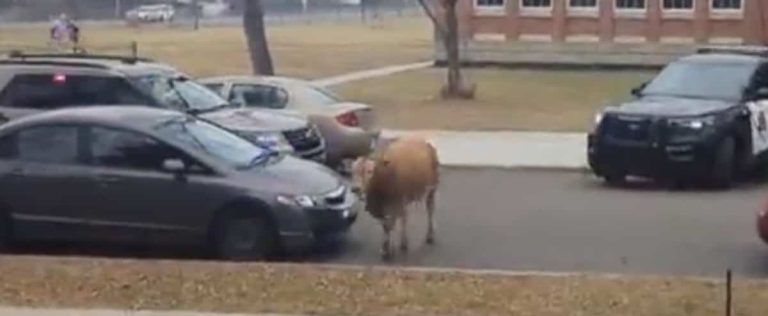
<point x="24" y="311"/>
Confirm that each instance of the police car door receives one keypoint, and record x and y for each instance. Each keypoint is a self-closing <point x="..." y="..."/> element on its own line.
<point x="758" y="111"/>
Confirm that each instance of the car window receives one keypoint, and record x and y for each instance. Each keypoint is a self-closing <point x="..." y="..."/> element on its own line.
<point x="259" y="96"/>
<point x="130" y="150"/>
<point x="51" y="91"/>
<point x="215" y="87"/>
<point x="179" y="94"/>
<point x="8" y="147"/>
<point x="48" y="144"/>
<point x="214" y="141"/>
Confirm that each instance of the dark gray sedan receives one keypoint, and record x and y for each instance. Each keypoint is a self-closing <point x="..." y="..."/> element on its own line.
<point x="152" y="176"/>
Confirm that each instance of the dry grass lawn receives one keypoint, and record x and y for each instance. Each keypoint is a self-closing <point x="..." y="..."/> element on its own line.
<point x="227" y="287"/>
<point x="506" y="99"/>
<point x="308" y="51"/>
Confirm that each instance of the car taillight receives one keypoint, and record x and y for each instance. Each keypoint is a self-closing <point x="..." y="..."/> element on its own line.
<point x="348" y="119"/>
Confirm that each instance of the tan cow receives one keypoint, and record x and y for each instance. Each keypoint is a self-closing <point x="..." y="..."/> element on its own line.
<point x="402" y="173"/>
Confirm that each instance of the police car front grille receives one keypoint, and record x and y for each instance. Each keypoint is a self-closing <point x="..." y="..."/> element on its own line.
<point x="630" y="129"/>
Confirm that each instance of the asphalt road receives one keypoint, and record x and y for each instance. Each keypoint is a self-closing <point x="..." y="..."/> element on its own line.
<point x="567" y="221"/>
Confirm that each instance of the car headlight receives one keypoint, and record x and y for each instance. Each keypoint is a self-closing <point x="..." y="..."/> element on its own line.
<point x="598" y="118"/>
<point x="697" y="123"/>
<point x="297" y="200"/>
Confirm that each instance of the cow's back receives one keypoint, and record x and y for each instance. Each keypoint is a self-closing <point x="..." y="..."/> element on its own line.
<point x="415" y="164"/>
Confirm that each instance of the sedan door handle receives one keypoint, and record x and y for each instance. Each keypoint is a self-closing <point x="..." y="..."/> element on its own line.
<point x="105" y="179"/>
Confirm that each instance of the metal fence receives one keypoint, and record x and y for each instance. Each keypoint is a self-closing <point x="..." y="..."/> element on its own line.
<point x="14" y="11"/>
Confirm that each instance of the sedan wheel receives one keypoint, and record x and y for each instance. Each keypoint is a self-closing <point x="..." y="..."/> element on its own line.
<point x="245" y="238"/>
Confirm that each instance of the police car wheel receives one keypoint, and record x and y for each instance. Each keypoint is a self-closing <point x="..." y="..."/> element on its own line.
<point x="615" y="179"/>
<point x="723" y="167"/>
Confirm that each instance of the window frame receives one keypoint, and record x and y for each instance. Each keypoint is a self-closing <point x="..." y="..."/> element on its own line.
<point x="9" y="88"/>
<point x="88" y="159"/>
<point x="536" y="11"/>
<point x="489" y="10"/>
<point x="726" y="14"/>
<point x="583" y="11"/>
<point x="678" y="13"/>
<point x="284" y="91"/>
<point x="80" y="159"/>
<point x="637" y="13"/>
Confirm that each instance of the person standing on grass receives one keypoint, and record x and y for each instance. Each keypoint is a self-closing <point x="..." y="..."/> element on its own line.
<point x="64" y="30"/>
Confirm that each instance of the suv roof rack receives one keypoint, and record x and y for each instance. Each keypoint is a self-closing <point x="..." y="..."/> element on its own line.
<point x="761" y="51"/>
<point x="51" y="63"/>
<point x="124" y="59"/>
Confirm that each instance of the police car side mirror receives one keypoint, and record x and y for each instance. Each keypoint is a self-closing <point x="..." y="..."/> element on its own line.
<point x="761" y="93"/>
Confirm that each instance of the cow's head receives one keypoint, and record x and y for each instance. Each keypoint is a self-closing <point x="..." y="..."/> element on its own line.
<point x="362" y="170"/>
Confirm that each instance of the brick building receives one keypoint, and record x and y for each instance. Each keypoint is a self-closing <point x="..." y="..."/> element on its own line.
<point x="604" y="31"/>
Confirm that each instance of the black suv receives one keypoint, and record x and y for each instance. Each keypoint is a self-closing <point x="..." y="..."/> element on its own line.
<point x="30" y="83"/>
<point x="702" y="118"/>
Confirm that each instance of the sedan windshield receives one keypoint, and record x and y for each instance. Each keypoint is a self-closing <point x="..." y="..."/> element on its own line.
<point x="214" y="141"/>
<point x="725" y="81"/>
<point x="180" y="94"/>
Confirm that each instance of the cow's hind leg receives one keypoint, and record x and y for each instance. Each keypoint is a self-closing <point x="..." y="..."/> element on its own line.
<point x="431" y="216"/>
<point x="387" y="225"/>
<point x="404" y="231"/>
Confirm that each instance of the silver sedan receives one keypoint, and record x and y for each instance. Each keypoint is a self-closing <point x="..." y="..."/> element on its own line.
<point x="348" y="128"/>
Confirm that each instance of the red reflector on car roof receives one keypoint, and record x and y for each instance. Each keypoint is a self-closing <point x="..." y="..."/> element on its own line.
<point x="59" y="78"/>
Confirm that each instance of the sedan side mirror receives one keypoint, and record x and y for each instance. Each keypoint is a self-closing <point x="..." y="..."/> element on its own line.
<point x="637" y="91"/>
<point x="174" y="165"/>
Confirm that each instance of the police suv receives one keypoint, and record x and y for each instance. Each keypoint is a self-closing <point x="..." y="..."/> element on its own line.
<point x="702" y="118"/>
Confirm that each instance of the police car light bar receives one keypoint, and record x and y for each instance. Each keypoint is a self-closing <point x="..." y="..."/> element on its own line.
<point x="744" y="50"/>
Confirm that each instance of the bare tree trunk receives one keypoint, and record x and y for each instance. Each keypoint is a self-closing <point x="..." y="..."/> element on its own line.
<point x="447" y="28"/>
<point x="451" y="42"/>
<point x="258" y="46"/>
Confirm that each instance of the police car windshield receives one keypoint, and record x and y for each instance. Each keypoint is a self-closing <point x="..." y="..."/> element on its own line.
<point x="705" y="80"/>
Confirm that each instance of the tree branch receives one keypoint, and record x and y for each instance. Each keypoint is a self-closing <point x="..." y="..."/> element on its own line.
<point x="433" y="16"/>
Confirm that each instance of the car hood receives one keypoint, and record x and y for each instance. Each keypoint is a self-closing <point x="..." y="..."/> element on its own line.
<point x="294" y="176"/>
<point x="255" y="120"/>
<point x="672" y="106"/>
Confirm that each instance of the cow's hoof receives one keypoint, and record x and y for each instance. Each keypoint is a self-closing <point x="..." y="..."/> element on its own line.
<point x="404" y="247"/>
<point x="386" y="256"/>
<point x="431" y="240"/>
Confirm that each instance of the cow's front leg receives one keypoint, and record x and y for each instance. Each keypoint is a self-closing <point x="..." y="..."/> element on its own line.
<point x="387" y="224"/>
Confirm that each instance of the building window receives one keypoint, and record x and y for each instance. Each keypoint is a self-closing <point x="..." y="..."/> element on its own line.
<point x="537" y="3"/>
<point x="582" y="3"/>
<point x="630" y="4"/>
<point x="489" y="7"/>
<point x="726" y="4"/>
<point x="678" y="4"/>
<point x="490" y="4"/>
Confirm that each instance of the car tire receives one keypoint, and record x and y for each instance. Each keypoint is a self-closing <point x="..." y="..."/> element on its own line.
<point x="723" y="168"/>
<point x="245" y="237"/>
<point x="615" y="179"/>
<point x="6" y="231"/>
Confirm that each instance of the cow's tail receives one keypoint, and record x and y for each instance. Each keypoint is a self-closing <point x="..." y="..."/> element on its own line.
<point x="435" y="166"/>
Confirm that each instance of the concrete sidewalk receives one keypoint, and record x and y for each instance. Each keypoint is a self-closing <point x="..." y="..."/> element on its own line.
<point x="12" y="311"/>
<point x="506" y="149"/>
